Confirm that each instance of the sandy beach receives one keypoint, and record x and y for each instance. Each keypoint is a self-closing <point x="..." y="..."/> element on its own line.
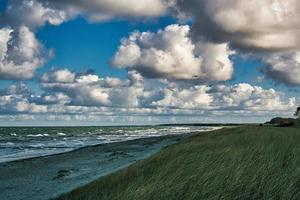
<point x="50" y="176"/>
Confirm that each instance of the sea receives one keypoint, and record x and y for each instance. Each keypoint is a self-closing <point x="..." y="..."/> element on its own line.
<point x="28" y="142"/>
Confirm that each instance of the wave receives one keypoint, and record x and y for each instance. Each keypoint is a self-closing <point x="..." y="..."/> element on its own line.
<point x="16" y="146"/>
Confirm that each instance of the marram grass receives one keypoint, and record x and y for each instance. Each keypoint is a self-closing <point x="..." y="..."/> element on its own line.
<point x="248" y="162"/>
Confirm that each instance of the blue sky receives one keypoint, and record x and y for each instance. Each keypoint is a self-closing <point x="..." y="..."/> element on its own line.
<point x="95" y="44"/>
<point x="250" y="81"/>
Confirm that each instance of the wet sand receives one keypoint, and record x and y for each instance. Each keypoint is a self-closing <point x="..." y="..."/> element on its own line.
<point x="50" y="176"/>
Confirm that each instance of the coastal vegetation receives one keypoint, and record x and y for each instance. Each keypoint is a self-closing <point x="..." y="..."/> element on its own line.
<point x="246" y="162"/>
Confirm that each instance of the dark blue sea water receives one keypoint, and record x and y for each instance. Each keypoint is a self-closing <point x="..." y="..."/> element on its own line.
<point x="27" y="142"/>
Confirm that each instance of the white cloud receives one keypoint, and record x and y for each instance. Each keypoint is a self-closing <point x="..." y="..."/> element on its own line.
<point x="91" y="90"/>
<point x="283" y="67"/>
<point x="83" y="94"/>
<point x="247" y="97"/>
<point x="195" y="97"/>
<point x="20" y="53"/>
<point x="25" y="106"/>
<point x="114" y="82"/>
<point x="4" y="38"/>
<point x="36" y="13"/>
<point x="131" y="99"/>
<point x="171" y="54"/>
<point x="32" y="13"/>
<point x="14" y="101"/>
<point x="51" y="98"/>
<point x="258" y="25"/>
<point x="177" y="52"/>
<point x="131" y="96"/>
<point x="16" y="89"/>
<point x="102" y="10"/>
<point x="61" y="76"/>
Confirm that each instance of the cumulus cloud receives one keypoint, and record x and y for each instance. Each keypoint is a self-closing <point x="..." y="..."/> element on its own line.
<point x="247" y="97"/>
<point x="52" y="98"/>
<point x="61" y="76"/>
<point x="91" y="90"/>
<point x="241" y="97"/>
<point x="36" y="13"/>
<point x="84" y="90"/>
<point x="258" y="25"/>
<point x="192" y="98"/>
<point x="89" y="96"/>
<point x="16" y="89"/>
<point x="283" y="67"/>
<point x="20" y="53"/>
<point x="185" y="58"/>
<point x="101" y="10"/>
<point x="171" y="54"/>
<point x="32" y="14"/>
<point x="16" y="99"/>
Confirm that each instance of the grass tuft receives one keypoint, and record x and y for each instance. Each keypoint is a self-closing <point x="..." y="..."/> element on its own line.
<point x="248" y="162"/>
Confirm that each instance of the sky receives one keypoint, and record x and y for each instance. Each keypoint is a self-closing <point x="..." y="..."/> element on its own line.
<point x="102" y="62"/>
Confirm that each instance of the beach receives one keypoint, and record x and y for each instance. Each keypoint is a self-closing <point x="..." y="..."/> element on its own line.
<point x="48" y="177"/>
<point x="246" y="162"/>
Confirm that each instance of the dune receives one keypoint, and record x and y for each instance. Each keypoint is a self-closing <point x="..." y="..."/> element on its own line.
<point x="247" y="162"/>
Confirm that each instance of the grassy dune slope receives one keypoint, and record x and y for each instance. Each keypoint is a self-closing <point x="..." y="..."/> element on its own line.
<point x="249" y="162"/>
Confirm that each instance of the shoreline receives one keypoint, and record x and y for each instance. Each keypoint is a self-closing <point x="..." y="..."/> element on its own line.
<point x="50" y="176"/>
<point x="25" y="143"/>
<point x="81" y="148"/>
<point x="246" y="162"/>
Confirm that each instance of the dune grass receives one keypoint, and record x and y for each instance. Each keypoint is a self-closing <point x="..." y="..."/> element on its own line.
<point x="248" y="162"/>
